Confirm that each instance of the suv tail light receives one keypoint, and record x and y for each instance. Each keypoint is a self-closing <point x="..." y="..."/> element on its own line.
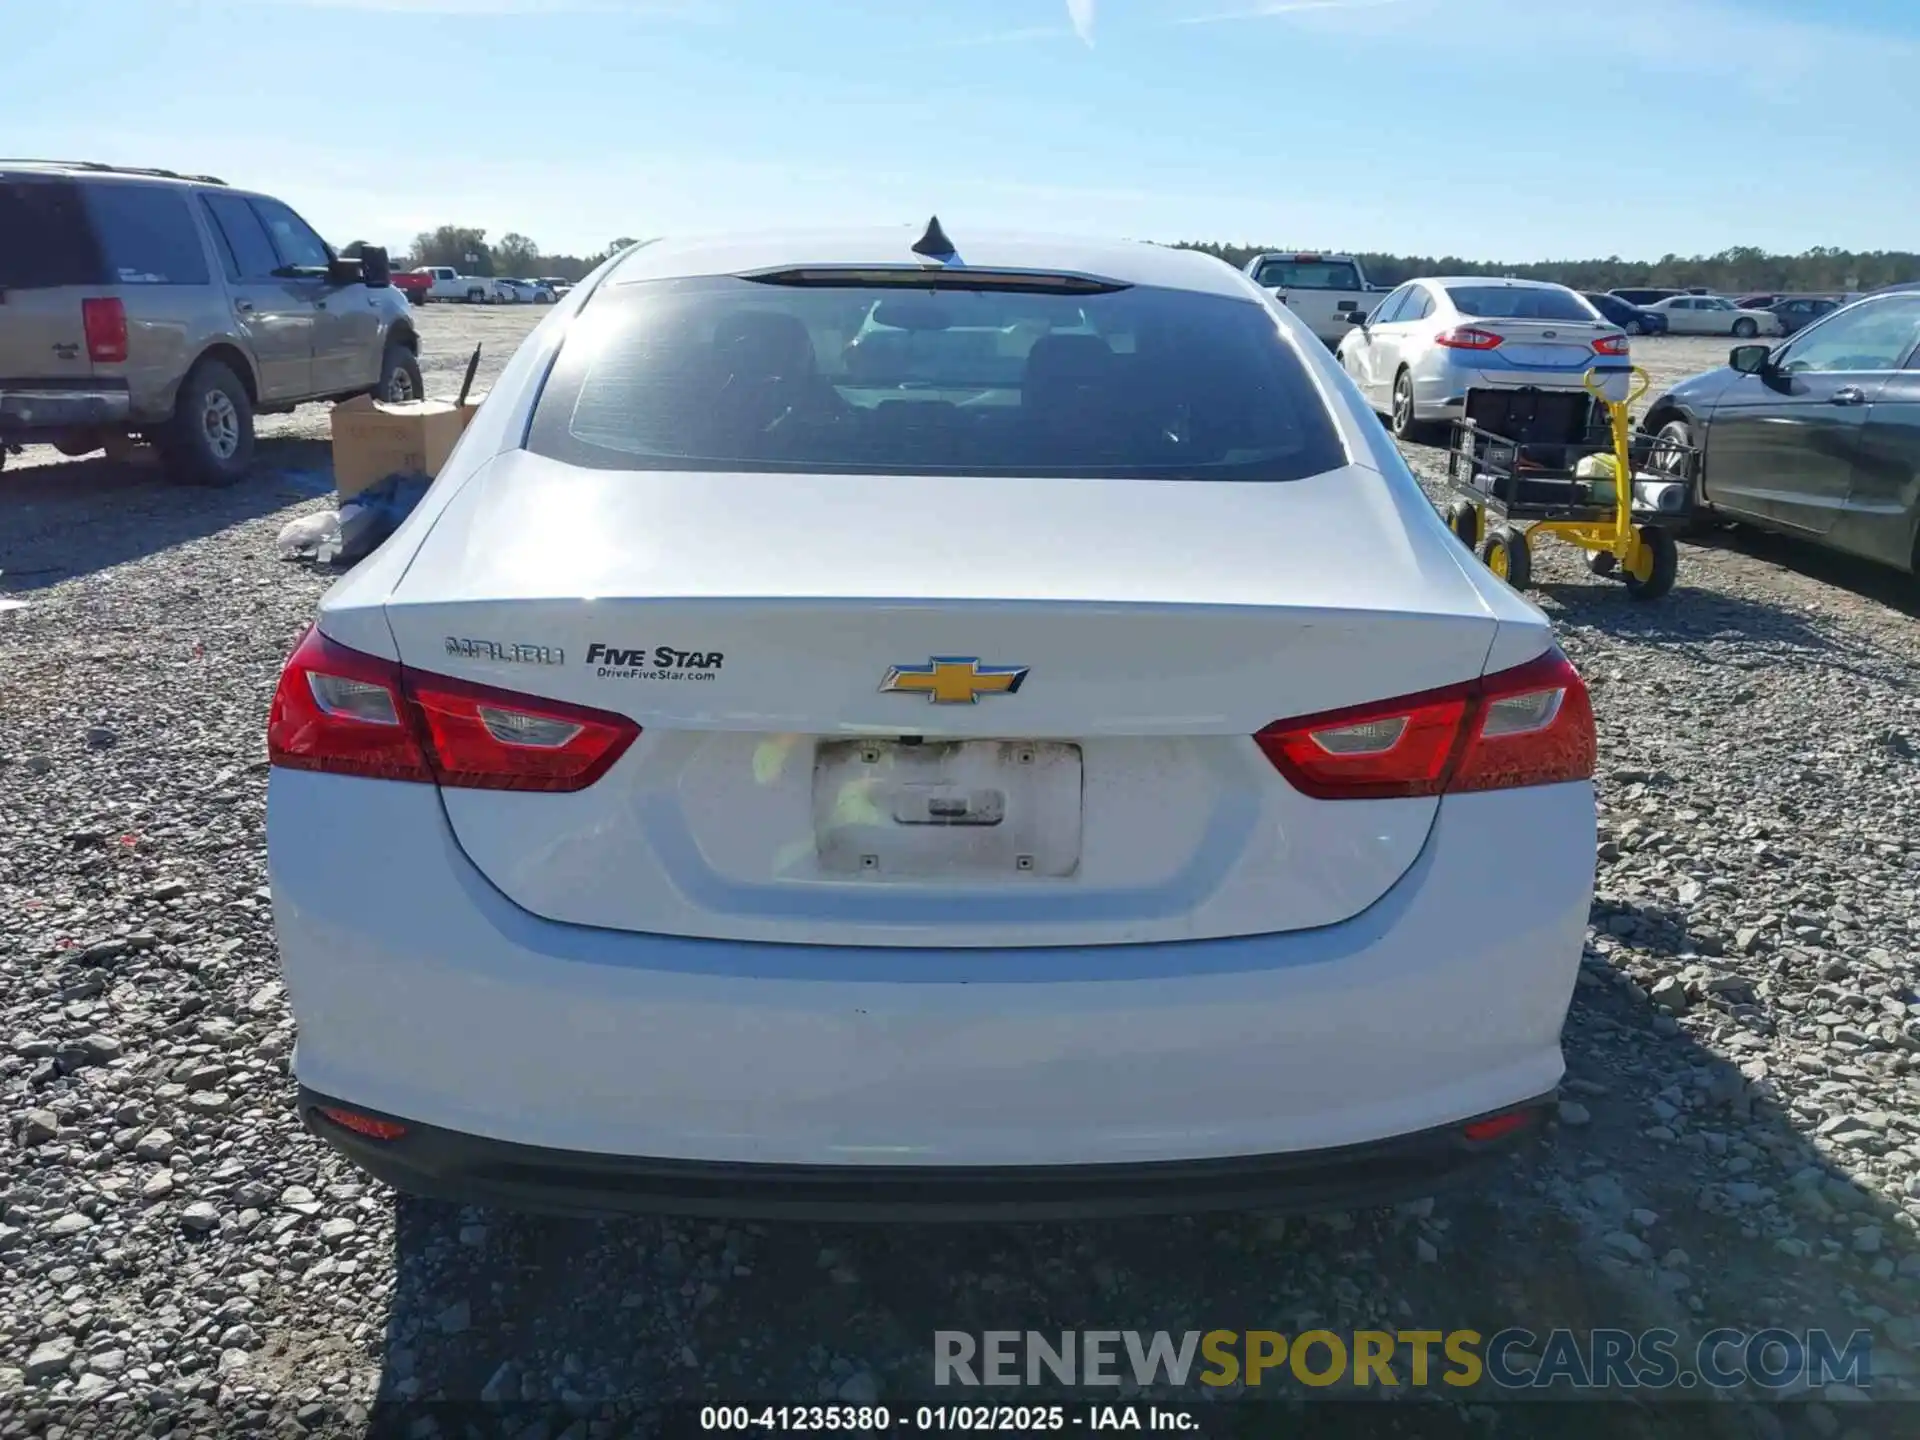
<point x="1467" y="337"/>
<point x="1610" y="345"/>
<point x="106" y="325"/>
<point x="347" y="713"/>
<point x="1531" y="725"/>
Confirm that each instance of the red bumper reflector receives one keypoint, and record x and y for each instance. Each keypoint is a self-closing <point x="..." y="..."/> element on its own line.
<point x="1494" y="1126"/>
<point x="364" y="1124"/>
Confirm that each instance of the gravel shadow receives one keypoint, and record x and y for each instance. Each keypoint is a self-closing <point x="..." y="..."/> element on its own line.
<point x="1676" y="1191"/>
<point x="79" y="517"/>
<point x="1726" y="637"/>
<point x="1893" y="588"/>
<point x="1687" y="614"/>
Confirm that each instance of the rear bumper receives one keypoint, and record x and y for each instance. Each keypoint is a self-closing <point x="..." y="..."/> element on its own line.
<point x="27" y="406"/>
<point x="423" y="994"/>
<point x="473" y="1170"/>
<point x="1442" y="393"/>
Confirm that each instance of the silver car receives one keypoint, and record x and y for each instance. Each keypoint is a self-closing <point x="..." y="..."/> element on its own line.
<point x="1427" y="344"/>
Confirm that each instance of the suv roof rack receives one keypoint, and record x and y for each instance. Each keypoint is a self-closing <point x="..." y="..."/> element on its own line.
<point x="101" y="167"/>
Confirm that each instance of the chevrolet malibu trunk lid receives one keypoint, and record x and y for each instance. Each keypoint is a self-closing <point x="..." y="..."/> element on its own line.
<point x="1025" y="722"/>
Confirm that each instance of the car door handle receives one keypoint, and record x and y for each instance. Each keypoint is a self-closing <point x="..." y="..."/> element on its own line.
<point x="319" y="304"/>
<point x="245" y="307"/>
<point x="1851" y="395"/>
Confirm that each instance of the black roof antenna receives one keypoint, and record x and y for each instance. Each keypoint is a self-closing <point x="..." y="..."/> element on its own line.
<point x="934" y="243"/>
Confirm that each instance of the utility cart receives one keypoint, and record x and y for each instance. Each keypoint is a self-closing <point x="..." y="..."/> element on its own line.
<point x="1564" y="463"/>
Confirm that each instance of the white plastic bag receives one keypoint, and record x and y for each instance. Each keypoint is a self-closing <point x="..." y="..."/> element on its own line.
<point x="308" y="534"/>
<point x="332" y="548"/>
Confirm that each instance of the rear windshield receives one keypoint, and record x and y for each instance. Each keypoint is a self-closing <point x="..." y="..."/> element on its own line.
<point x="1517" y="302"/>
<point x="45" y="236"/>
<point x="731" y="374"/>
<point x="58" y="232"/>
<point x="1307" y="275"/>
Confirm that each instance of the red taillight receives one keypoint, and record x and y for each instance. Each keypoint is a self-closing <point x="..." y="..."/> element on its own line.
<point x="106" y="324"/>
<point x="1610" y="345"/>
<point x="1397" y="748"/>
<point x="1531" y="725"/>
<point x="1495" y="1126"/>
<point x="364" y="1124"/>
<point x="347" y="713"/>
<point x="479" y="738"/>
<point x="1467" y="337"/>
<point x="344" y="712"/>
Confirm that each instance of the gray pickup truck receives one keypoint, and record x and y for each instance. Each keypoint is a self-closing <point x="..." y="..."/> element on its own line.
<point x="147" y="305"/>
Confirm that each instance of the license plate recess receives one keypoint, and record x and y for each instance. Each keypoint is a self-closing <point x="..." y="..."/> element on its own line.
<point x="953" y="810"/>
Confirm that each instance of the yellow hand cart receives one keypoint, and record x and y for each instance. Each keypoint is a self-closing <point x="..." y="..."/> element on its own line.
<point x="1616" y="495"/>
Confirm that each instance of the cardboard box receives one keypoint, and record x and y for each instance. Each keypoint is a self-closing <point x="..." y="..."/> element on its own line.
<point x="373" y="439"/>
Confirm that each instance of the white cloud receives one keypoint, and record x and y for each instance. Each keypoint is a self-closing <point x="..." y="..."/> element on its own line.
<point x="1080" y="14"/>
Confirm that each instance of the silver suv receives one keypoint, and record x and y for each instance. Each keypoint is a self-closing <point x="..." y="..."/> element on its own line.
<point x="141" y="304"/>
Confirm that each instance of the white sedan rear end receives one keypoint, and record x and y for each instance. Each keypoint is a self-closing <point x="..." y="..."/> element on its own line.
<point x="859" y="731"/>
<point x="1432" y="342"/>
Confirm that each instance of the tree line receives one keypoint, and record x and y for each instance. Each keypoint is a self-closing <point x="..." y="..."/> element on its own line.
<point x="513" y="255"/>
<point x="1741" y="268"/>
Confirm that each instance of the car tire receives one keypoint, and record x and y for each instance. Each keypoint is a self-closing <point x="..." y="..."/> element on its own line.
<point x="1745" y="328"/>
<point x="1401" y="418"/>
<point x="1507" y="556"/>
<point x="400" y="367"/>
<point x="1681" y="432"/>
<point x="1634" y="327"/>
<point x="476" y="297"/>
<point x="1666" y="565"/>
<point x="208" y="440"/>
<point x="1464" y="521"/>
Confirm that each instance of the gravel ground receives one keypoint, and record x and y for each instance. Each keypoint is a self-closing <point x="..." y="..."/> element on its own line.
<point x="1739" y="1144"/>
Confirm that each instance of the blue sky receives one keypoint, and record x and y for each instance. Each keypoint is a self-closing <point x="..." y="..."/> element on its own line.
<point x="1498" y="129"/>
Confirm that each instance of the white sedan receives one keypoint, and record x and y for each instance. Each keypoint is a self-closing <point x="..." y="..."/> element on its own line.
<point x="853" y="731"/>
<point x="1435" y="340"/>
<point x="1714" y="315"/>
<point x="523" y="292"/>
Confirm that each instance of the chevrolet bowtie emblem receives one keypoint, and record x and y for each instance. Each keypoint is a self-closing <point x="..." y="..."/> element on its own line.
<point x="954" y="680"/>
